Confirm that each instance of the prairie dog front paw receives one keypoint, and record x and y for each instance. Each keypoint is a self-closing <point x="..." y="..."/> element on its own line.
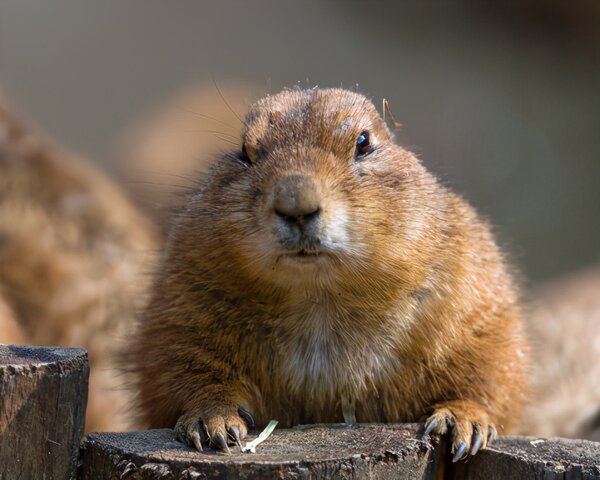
<point x="468" y="424"/>
<point x="216" y="430"/>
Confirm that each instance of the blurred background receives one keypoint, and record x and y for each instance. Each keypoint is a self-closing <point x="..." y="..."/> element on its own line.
<point x="500" y="99"/>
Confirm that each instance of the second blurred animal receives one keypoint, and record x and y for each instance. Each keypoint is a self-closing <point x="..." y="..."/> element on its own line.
<point x="75" y="258"/>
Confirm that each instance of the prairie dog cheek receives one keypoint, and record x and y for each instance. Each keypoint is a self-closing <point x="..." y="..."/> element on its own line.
<point x="336" y="235"/>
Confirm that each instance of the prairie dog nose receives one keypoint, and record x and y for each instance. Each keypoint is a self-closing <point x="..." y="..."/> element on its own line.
<point x="296" y="198"/>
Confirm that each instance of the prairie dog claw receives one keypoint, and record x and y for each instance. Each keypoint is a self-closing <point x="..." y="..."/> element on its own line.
<point x="467" y="424"/>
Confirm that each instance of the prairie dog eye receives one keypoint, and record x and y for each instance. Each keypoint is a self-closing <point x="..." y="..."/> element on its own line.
<point x="363" y="144"/>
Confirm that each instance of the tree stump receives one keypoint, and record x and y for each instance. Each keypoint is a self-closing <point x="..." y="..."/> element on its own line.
<point x="43" y="397"/>
<point x="535" y="459"/>
<point x="366" y="451"/>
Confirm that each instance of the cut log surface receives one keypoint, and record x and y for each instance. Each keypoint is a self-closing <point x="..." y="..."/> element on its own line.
<point x="305" y="452"/>
<point x="533" y="458"/>
<point x="43" y="396"/>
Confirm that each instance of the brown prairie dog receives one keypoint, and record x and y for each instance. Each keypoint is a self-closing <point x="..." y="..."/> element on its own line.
<point x="10" y="330"/>
<point x="320" y="264"/>
<point x="74" y="260"/>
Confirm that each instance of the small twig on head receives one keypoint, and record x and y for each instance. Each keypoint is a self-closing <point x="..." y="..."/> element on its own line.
<point x="387" y="112"/>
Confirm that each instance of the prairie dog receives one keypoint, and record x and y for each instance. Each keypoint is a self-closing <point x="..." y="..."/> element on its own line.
<point x="320" y="273"/>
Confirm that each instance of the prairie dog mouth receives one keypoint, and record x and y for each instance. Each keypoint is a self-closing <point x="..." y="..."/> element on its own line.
<point x="307" y="253"/>
<point x="303" y="255"/>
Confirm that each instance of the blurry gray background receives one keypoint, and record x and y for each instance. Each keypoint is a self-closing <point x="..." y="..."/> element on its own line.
<point x="500" y="99"/>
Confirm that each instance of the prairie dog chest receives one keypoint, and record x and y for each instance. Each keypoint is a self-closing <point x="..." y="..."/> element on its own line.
<point x="327" y="350"/>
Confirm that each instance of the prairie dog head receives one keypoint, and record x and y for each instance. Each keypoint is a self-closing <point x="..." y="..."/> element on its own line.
<point x="317" y="195"/>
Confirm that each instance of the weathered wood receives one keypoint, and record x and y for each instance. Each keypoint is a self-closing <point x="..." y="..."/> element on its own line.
<point x="43" y="396"/>
<point x="308" y="452"/>
<point x="532" y="458"/>
<point x="335" y="452"/>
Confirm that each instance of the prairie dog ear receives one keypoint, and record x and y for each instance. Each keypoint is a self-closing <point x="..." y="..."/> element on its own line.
<point x="388" y="117"/>
<point x="250" y="151"/>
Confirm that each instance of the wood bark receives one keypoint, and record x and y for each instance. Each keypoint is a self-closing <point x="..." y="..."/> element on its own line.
<point x="533" y="458"/>
<point x="307" y="452"/>
<point x="334" y="452"/>
<point x="43" y="396"/>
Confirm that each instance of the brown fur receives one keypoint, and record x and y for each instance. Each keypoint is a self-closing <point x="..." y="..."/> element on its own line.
<point x="409" y="310"/>
<point x="73" y="260"/>
<point x="10" y="330"/>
